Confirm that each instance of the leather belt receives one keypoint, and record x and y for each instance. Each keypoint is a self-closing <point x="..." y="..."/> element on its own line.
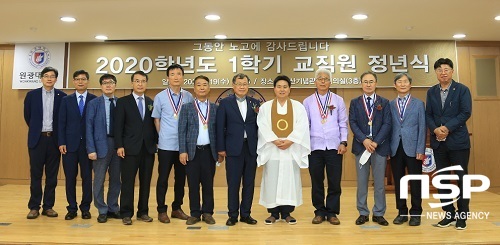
<point x="203" y="147"/>
<point x="47" y="134"/>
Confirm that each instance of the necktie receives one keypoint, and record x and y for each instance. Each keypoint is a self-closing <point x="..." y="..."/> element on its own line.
<point x="81" y="105"/>
<point x="401" y="109"/>
<point x="141" y="110"/>
<point x="111" y="116"/>
<point x="369" y="104"/>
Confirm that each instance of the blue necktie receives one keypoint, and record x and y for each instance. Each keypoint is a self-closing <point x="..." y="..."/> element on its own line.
<point x="141" y="110"/>
<point x="369" y="104"/>
<point x="81" y="105"/>
<point x="111" y="116"/>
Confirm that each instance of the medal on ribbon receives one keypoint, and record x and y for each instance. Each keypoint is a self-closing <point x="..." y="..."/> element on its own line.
<point x="203" y="118"/>
<point x="175" y="107"/>
<point x="323" y="107"/>
<point x="369" y="113"/>
<point x="402" y="107"/>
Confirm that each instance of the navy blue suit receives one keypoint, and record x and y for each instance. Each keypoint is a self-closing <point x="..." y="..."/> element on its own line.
<point x="42" y="149"/>
<point x="241" y="153"/>
<point x="455" y="150"/>
<point x="381" y="134"/>
<point x="381" y="129"/>
<point x="200" y="168"/>
<point x="71" y="133"/>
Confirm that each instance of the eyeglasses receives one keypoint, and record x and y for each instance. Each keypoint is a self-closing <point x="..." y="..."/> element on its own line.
<point x="80" y="79"/>
<point x="368" y="82"/>
<point x="47" y="76"/>
<point x="240" y="84"/>
<point x="323" y="79"/>
<point x="445" y="70"/>
<point x="108" y="83"/>
<point x="140" y="81"/>
<point x="402" y="81"/>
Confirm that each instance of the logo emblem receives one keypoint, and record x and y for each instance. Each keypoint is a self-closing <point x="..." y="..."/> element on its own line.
<point x="39" y="57"/>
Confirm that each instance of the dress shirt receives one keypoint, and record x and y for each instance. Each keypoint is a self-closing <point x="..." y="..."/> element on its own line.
<point x="372" y="101"/>
<point x="444" y="94"/>
<point x="326" y="136"/>
<point x="168" y="139"/>
<point x="242" y="105"/>
<point x="78" y="97"/>
<point x="107" y="103"/>
<point x="203" y="138"/>
<point x="136" y="97"/>
<point x="48" y="109"/>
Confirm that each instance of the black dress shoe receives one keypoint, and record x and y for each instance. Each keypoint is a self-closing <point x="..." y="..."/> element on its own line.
<point x="70" y="216"/>
<point x="414" y="221"/>
<point x="86" y="215"/>
<point x="231" y="221"/>
<point x="380" y="220"/>
<point x="249" y="220"/>
<point x="400" y="220"/>
<point x="102" y="218"/>
<point x="114" y="215"/>
<point x="362" y="219"/>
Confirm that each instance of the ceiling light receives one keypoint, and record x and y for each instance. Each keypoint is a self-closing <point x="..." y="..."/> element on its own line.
<point x="360" y="16"/>
<point x="220" y="36"/>
<point x="212" y="17"/>
<point x="460" y="35"/>
<point x="341" y="36"/>
<point x="68" y="19"/>
<point x="497" y="18"/>
<point x="101" y="37"/>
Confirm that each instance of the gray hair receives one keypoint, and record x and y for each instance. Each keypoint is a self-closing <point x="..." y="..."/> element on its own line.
<point x="240" y="76"/>
<point x="402" y="74"/>
<point x="324" y="71"/>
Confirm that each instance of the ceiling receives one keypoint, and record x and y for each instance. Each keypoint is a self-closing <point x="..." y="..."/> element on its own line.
<point x="32" y="21"/>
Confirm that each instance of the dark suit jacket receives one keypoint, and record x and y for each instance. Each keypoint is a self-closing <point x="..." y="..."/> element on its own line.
<point x="130" y="130"/>
<point x="457" y="110"/>
<point x="71" y="123"/>
<point x="96" y="128"/>
<point x="189" y="129"/>
<point x="33" y="114"/>
<point x="381" y="125"/>
<point x="231" y="127"/>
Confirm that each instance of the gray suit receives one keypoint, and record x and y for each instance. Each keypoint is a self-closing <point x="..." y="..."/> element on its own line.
<point x="408" y="140"/>
<point x="411" y="130"/>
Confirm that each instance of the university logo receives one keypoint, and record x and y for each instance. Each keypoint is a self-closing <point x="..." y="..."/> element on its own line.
<point x="251" y="93"/>
<point x="453" y="192"/>
<point x="39" y="57"/>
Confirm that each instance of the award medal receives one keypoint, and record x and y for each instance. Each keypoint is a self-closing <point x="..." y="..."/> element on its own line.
<point x="323" y="107"/>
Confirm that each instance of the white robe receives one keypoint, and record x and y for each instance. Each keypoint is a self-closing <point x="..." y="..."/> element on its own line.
<point x="281" y="183"/>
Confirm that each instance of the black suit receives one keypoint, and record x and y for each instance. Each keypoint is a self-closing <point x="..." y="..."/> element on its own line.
<point x="42" y="149"/>
<point x="455" y="150"/>
<point x="138" y="137"/>
<point x="241" y="160"/>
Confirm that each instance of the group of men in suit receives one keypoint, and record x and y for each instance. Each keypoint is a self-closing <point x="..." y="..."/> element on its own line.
<point x="80" y="127"/>
<point x="397" y="129"/>
<point x="105" y="129"/>
<point x="193" y="135"/>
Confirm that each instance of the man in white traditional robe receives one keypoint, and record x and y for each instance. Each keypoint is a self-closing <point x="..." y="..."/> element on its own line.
<point x="283" y="148"/>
